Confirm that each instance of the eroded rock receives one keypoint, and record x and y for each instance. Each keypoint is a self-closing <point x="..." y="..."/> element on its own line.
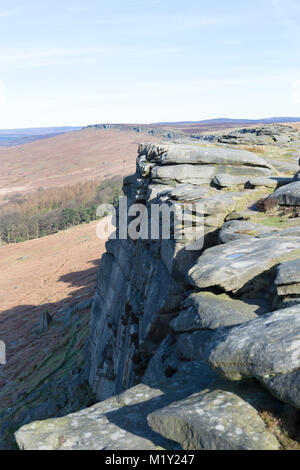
<point x="196" y="154"/>
<point x="118" y="423"/>
<point x="288" y="195"/>
<point x="213" y="420"/>
<point x="205" y="310"/>
<point x="241" y="229"/>
<point x="288" y="278"/>
<point x="232" y="265"/>
<point x="263" y="348"/>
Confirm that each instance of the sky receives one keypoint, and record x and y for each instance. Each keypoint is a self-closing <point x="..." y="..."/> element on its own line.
<point x="83" y="62"/>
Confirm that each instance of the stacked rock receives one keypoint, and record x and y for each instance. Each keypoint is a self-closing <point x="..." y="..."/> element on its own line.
<point x="288" y="282"/>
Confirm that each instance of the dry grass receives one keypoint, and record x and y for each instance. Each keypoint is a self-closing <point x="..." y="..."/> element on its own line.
<point x="285" y="425"/>
<point x="68" y="159"/>
<point x="270" y="206"/>
<point x="267" y="205"/>
<point x="294" y="124"/>
<point x="255" y="149"/>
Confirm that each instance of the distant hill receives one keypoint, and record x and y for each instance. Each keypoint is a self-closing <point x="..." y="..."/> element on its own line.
<point x="69" y="158"/>
<point x="12" y="137"/>
<point x="230" y="121"/>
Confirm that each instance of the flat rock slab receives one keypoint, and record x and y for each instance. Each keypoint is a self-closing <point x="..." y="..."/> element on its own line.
<point x="288" y="278"/>
<point x="288" y="195"/>
<point x="183" y="174"/>
<point x="221" y="415"/>
<point x="195" y="174"/>
<point x="226" y="181"/>
<point x="261" y="181"/>
<point x="241" y="229"/>
<point x="219" y="203"/>
<point x="187" y="192"/>
<point x="289" y="289"/>
<point x="288" y="232"/>
<point x="214" y="419"/>
<point x="118" y="423"/>
<point x="262" y="348"/>
<point x="232" y="265"/>
<point x="288" y="273"/>
<point x="197" y="154"/>
<point x="225" y="417"/>
<point x="205" y="310"/>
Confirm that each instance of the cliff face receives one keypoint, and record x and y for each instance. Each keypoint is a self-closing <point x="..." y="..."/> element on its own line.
<point x="142" y="283"/>
<point x="190" y="322"/>
<point x="135" y="301"/>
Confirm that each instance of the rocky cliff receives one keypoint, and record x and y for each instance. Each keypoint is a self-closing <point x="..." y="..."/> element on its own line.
<point x="194" y="341"/>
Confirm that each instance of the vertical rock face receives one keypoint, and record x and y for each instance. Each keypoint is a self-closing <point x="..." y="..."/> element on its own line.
<point x="136" y="300"/>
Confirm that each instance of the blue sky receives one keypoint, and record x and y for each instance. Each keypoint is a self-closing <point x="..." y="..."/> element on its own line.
<point x="81" y="62"/>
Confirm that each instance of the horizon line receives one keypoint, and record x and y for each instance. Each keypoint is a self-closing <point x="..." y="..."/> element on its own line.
<point x="279" y="119"/>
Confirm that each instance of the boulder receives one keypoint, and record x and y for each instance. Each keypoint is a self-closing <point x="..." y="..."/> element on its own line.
<point x="288" y="278"/>
<point x="288" y="195"/>
<point x="261" y="181"/>
<point x="288" y="273"/>
<point x="205" y="310"/>
<point x="197" y="154"/>
<point x="220" y="203"/>
<point x="214" y="419"/>
<point x="201" y="174"/>
<point x="215" y="220"/>
<point x="263" y="348"/>
<point x="118" y="423"/>
<point x="184" y="174"/>
<point x="233" y="265"/>
<point x="227" y="181"/>
<point x="286" y="387"/>
<point x="186" y="192"/>
<point x="241" y="229"/>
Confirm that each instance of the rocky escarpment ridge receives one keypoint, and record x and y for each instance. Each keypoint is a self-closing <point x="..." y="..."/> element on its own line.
<point x="166" y="134"/>
<point x="275" y="134"/>
<point x="189" y="347"/>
